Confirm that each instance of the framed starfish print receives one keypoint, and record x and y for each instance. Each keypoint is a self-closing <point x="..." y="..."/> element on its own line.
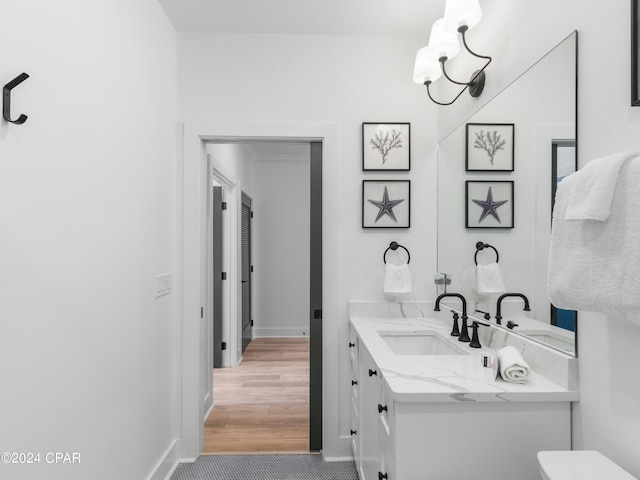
<point x="489" y="204"/>
<point x="386" y="203"/>
<point x="490" y="147"/>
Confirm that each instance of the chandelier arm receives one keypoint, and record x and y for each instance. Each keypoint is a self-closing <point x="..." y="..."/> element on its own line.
<point x="440" y="103"/>
<point x="444" y="72"/>
<point x="464" y="42"/>
<point x="462" y="32"/>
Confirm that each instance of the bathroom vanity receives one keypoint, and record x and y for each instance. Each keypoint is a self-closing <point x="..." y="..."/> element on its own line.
<point x="423" y="406"/>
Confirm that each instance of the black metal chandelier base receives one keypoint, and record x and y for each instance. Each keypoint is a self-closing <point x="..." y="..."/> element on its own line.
<point x="476" y="84"/>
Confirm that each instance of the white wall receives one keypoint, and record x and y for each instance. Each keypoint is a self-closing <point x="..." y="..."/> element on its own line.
<point x="281" y="247"/>
<point x="87" y="206"/>
<point x="236" y="160"/>
<point x="607" y="418"/>
<point x="345" y="80"/>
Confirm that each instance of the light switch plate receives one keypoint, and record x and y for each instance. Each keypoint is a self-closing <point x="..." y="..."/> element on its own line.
<point x="163" y="284"/>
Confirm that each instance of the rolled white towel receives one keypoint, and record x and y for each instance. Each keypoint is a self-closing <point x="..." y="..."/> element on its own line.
<point x="512" y="366"/>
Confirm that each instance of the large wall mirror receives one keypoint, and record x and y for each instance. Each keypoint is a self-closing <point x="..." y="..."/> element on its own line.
<point x="497" y="174"/>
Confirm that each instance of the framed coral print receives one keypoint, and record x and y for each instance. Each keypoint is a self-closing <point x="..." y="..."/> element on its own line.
<point x="490" y="147"/>
<point x="386" y="203"/>
<point x="489" y="204"/>
<point x="386" y="146"/>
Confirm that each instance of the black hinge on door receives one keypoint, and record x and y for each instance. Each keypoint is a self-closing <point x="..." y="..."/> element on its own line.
<point x="201" y="312"/>
<point x="224" y="346"/>
<point x="252" y="323"/>
<point x="251" y="269"/>
<point x="317" y="314"/>
<point x="224" y="275"/>
<point x="251" y="214"/>
<point x="224" y="205"/>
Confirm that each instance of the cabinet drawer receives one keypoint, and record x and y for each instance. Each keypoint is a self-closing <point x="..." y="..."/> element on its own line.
<point x="354" y="355"/>
<point x="353" y="431"/>
<point x="386" y="412"/>
<point x="386" y="463"/>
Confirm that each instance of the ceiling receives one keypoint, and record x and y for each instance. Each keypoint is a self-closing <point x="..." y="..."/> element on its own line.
<point x="320" y="17"/>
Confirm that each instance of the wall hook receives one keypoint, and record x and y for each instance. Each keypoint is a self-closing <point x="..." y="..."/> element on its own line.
<point x="6" y="99"/>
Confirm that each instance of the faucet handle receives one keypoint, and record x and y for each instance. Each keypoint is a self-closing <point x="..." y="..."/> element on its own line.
<point x="511" y="325"/>
<point x="475" y="341"/>
<point x="455" y="332"/>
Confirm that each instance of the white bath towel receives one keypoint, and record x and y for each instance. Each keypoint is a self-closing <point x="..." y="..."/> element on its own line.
<point x="594" y="264"/>
<point x="397" y="279"/>
<point x="592" y="196"/>
<point x="489" y="279"/>
<point x="512" y="366"/>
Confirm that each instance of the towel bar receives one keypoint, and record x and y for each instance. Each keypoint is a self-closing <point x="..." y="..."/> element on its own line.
<point x="395" y="246"/>
<point x="482" y="246"/>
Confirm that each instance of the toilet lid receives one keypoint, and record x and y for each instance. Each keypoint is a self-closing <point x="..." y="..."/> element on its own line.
<point x="580" y="465"/>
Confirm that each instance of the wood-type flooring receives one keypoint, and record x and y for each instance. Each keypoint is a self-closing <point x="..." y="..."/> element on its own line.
<point x="262" y="406"/>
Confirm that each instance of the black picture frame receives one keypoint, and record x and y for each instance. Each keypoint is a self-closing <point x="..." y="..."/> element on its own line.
<point x="490" y="147"/>
<point x="386" y="204"/>
<point x="489" y="204"/>
<point x="635" y="54"/>
<point x="386" y="147"/>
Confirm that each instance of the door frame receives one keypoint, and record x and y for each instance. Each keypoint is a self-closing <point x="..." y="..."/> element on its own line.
<point x="230" y="260"/>
<point x="193" y="295"/>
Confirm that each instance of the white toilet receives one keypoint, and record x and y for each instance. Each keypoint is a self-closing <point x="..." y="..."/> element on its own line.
<point x="579" y="465"/>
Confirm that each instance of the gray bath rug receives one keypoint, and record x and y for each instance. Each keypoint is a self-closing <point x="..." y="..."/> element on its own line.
<point x="264" y="467"/>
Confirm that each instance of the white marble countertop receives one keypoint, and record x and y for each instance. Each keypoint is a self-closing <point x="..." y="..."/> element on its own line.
<point x="446" y="378"/>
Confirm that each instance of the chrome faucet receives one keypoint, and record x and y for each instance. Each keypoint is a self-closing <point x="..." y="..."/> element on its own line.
<point x="464" y="332"/>
<point x="505" y="295"/>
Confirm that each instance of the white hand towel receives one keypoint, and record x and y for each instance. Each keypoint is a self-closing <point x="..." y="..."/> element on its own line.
<point x="592" y="196"/>
<point x="512" y="366"/>
<point x="397" y="279"/>
<point x="594" y="265"/>
<point x="489" y="279"/>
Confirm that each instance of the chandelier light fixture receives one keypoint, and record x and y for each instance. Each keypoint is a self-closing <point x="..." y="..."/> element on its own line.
<point x="459" y="17"/>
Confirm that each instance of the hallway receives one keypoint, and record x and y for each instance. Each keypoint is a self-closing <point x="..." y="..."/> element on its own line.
<point x="263" y="404"/>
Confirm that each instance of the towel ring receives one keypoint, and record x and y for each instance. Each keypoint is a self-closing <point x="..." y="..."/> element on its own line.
<point x="395" y="246"/>
<point x="482" y="246"/>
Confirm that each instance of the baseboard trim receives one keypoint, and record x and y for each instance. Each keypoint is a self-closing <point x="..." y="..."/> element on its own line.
<point x="281" y="332"/>
<point x="167" y="463"/>
<point x="338" y="459"/>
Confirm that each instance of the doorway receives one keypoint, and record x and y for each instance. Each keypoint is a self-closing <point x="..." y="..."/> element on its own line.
<point x="290" y="192"/>
<point x="194" y="174"/>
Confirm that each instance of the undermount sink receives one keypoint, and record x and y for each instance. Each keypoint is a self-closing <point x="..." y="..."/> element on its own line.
<point x="424" y="342"/>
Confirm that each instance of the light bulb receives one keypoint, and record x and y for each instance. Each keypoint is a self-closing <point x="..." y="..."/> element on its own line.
<point x="441" y="42"/>
<point x="425" y="69"/>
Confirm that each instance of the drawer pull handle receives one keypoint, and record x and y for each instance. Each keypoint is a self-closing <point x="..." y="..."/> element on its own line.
<point x="353" y="432"/>
<point x="382" y="476"/>
<point x="373" y="372"/>
<point x="382" y="409"/>
<point x="353" y="382"/>
<point x="351" y="345"/>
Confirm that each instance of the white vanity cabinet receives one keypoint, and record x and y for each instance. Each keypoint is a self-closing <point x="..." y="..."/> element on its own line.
<point x="452" y="437"/>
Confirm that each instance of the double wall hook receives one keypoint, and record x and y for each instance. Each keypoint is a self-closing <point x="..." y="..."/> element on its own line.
<point x="6" y="99"/>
